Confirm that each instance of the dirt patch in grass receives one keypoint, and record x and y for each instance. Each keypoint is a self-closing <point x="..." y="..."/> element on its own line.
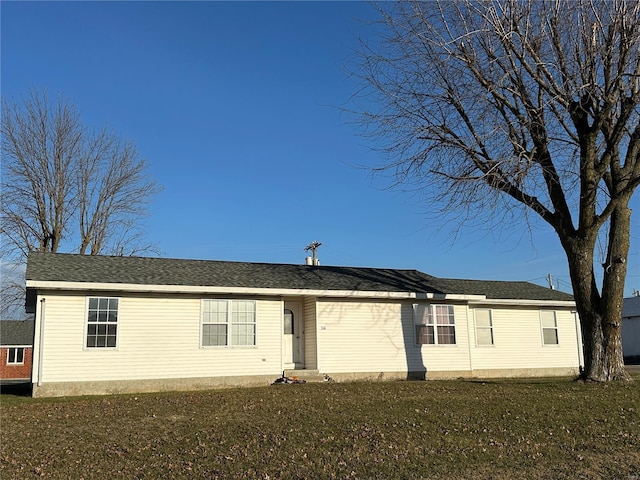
<point x="454" y="429"/>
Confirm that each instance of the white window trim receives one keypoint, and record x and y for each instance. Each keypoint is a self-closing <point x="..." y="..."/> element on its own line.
<point x="229" y="323"/>
<point x="24" y="352"/>
<point x="542" y="329"/>
<point x="86" y="325"/>
<point x="491" y="328"/>
<point x="430" y="307"/>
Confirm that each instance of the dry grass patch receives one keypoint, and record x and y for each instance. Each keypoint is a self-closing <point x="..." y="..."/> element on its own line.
<point x="437" y="429"/>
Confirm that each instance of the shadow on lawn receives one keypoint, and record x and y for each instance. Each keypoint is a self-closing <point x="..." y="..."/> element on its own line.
<point x="521" y="381"/>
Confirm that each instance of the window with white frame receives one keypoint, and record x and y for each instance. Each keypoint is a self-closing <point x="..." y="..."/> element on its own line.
<point x="228" y="322"/>
<point x="435" y="324"/>
<point x="549" y="327"/>
<point x="102" y="322"/>
<point x="484" y="326"/>
<point x="15" y="356"/>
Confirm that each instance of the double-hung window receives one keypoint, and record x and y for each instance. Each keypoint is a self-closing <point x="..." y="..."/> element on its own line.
<point x="228" y="323"/>
<point x="484" y="326"/>
<point x="15" y="356"/>
<point x="435" y="324"/>
<point x="549" y="327"/>
<point x="102" y="322"/>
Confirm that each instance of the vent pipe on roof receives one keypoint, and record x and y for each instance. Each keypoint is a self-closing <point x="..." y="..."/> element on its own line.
<point x="313" y="260"/>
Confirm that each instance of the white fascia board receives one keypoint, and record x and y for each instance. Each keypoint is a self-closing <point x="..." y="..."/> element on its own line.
<point x="135" y="288"/>
<point x="128" y="287"/>
<point x="525" y="303"/>
<point x="195" y="289"/>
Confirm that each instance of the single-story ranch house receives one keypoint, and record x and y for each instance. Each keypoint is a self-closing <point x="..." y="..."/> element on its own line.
<point x="132" y="324"/>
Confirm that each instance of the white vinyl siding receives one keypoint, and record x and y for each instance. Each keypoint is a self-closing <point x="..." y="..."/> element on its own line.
<point x="310" y="334"/>
<point x="518" y="341"/>
<point x="157" y="338"/>
<point x="375" y="336"/>
<point x="631" y="336"/>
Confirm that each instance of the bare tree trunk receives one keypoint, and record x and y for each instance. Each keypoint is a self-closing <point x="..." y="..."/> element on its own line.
<point x="601" y="315"/>
<point x="537" y="101"/>
<point x="615" y="272"/>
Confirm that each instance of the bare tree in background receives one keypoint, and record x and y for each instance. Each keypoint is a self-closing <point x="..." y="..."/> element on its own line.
<point x="66" y="188"/>
<point x="489" y="105"/>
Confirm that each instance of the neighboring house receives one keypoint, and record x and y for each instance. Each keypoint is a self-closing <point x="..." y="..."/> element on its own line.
<point x="631" y="329"/>
<point x="16" y="345"/>
<point x="131" y="324"/>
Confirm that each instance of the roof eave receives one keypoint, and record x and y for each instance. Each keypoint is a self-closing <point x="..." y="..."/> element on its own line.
<point x="523" y="302"/>
<point x="217" y="290"/>
<point x="213" y="290"/>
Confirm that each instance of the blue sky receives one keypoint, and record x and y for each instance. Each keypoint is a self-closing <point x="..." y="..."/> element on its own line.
<point x="236" y="107"/>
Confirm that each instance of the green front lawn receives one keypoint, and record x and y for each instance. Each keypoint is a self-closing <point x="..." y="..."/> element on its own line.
<point x="507" y="429"/>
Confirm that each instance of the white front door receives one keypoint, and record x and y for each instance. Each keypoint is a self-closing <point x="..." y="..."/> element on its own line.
<point x="293" y="336"/>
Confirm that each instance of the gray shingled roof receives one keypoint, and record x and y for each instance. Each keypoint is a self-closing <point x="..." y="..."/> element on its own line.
<point x="631" y="307"/>
<point x="505" y="290"/>
<point x="16" y="332"/>
<point x="162" y="271"/>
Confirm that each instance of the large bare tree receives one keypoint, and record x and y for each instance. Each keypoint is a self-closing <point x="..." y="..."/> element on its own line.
<point x="489" y="105"/>
<point x="66" y="187"/>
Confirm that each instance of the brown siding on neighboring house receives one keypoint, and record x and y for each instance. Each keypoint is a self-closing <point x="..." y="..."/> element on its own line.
<point x="17" y="371"/>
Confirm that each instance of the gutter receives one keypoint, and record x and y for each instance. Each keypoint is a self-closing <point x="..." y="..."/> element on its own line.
<point x="579" y="341"/>
<point x="524" y="302"/>
<point x="204" y="289"/>
<point x="41" y="340"/>
<point x="292" y="292"/>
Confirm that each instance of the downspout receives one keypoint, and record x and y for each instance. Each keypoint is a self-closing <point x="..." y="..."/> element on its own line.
<point x="282" y="336"/>
<point x="470" y="331"/>
<point x="42" y="305"/>
<point x="579" y="342"/>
